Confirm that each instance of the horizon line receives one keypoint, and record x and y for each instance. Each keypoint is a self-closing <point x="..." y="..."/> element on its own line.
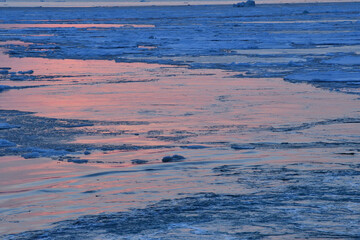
<point x="145" y="3"/>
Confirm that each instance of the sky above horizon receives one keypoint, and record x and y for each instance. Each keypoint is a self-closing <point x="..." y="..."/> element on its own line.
<point x="114" y="1"/>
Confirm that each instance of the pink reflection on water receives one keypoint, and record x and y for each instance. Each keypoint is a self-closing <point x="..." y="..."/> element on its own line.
<point x="72" y="196"/>
<point x="16" y="170"/>
<point x="179" y="100"/>
<point x="65" y="67"/>
<point x="118" y="140"/>
<point x="211" y="104"/>
<point x="71" y="25"/>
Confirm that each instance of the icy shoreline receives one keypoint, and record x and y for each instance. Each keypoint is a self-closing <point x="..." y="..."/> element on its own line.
<point x="324" y="40"/>
<point x="124" y="122"/>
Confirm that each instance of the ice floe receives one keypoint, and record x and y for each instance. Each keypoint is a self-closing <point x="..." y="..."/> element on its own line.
<point x="325" y="76"/>
<point x="7" y="126"/>
<point x="26" y="72"/>
<point x="344" y="60"/>
<point x="22" y="77"/>
<point x="33" y="152"/>
<point x="4" y="72"/>
<point x="4" y="87"/>
<point x="5" y="143"/>
<point x="248" y="3"/>
<point x="138" y="161"/>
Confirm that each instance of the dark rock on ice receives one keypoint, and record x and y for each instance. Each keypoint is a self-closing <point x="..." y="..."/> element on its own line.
<point x="65" y="158"/>
<point x="87" y="152"/>
<point x="225" y="169"/>
<point x="138" y="161"/>
<point x="26" y="72"/>
<point x="31" y="155"/>
<point x="78" y="161"/>
<point x="194" y="147"/>
<point x="4" y="72"/>
<point x="248" y="3"/>
<point x="242" y="146"/>
<point x="90" y="191"/>
<point x="174" y="158"/>
<point x="347" y="153"/>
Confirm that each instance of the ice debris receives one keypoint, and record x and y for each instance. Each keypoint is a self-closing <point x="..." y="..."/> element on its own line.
<point x="77" y="125"/>
<point x="345" y="60"/>
<point x="138" y="161"/>
<point x="248" y="3"/>
<point x="242" y="146"/>
<point x="78" y="161"/>
<point x="324" y="76"/>
<point x="32" y="152"/>
<point x="26" y="72"/>
<point x="6" y="143"/>
<point x="193" y="147"/>
<point x="4" y="87"/>
<point x="21" y="77"/>
<point x="31" y="155"/>
<point x="71" y="159"/>
<point x="174" y="158"/>
<point x="6" y="125"/>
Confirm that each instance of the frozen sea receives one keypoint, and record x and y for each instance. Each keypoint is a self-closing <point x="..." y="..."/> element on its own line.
<point x="180" y="122"/>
